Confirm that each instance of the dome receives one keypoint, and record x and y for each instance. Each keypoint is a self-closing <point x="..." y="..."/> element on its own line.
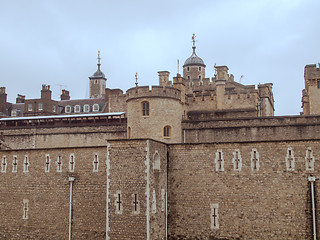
<point x="98" y="74"/>
<point x="194" y="60"/>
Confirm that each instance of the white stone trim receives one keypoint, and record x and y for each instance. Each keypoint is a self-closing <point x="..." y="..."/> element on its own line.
<point x="163" y="199"/>
<point x="156" y="161"/>
<point x="214" y="216"/>
<point x="147" y="193"/>
<point x="25" y="214"/>
<point x="59" y="160"/>
<point x="237" y="165"/>
<point x="154" y="202"/>
<point x="72" y="162"/>
<point x="95" y="163"/>
<point x="255" y="160"/>
<point x="309" y="155"/>
<point x="135" y="207"/>
<point x="4" y="164"/>
<point x="15" y="166"/>
<point x="118" y="207"/>
<point x="26" y="164"/>
<point x="290" y="160"/>
<point x="219" y="161"/>
<point x="47" y="163"/>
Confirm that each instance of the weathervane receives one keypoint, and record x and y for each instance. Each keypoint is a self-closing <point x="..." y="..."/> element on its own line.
<point x="136" y="76"/>
<point x="194" y="39"/>
<point x="99" y="58"/>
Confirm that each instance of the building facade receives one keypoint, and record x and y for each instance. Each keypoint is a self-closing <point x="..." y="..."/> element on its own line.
<point x="191" y="158"/>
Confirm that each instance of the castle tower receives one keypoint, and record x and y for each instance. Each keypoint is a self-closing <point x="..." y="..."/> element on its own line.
<point x="311" y="93"/>
<point x="194" y="67"/>
<point x="155" y="113"/>
<point x="98" y="82"/>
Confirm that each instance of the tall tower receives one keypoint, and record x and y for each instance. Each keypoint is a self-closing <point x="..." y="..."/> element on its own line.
<point x="311" y="93"/>
<point x="194" y="67"/>
<point x="98" y="82"/>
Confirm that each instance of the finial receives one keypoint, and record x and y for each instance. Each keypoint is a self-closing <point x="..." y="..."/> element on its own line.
<point x="178" y="66"/>
<point x="99" y="60"/>
<point x="194" y="42"/>
<point x="136" y="76"/>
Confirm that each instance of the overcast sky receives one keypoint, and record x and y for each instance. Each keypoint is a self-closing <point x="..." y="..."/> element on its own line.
<point x="56" y="43"/>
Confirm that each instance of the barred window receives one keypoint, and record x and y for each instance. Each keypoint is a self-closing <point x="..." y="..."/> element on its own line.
<point x="167" y="131"/>
<point x="145" y="108"/>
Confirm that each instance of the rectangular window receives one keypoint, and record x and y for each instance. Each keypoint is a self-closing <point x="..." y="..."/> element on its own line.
<point x="145" y="109"/>
<point x="59" y="164"/>
<point x="25" y="209"/>
<point x="54" y="108"/>
<point x="47" y="164"/>
<point x="15" y="164"/>
<point x="4" y="164"/>
<point x="40" y="106"/>
<point x="30" y="107"/>
<point x="26" y="164"/>
<point x="71" y="163"/>
<point x="95" y="163"/>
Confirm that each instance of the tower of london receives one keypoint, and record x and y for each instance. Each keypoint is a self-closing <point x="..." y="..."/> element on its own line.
<point x="194" y="157"/>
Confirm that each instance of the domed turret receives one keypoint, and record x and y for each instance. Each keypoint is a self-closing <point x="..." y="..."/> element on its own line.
<point x="194" y="67"/>
<point x="98" y="82"/>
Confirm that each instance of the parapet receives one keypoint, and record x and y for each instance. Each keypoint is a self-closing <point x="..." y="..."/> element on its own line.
<point x="154" y="92"/>
<point x="312" y="71"/>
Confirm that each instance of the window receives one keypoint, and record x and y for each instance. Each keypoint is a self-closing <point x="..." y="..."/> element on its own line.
<point x="4" y="164"/>
<point x="77" y="108"/>
<point x="200" y="77"/>
<point x="145" y="108"/>
<point x="188" y="69"/>
<point x="188" y="77"/>
<point x="14" y="164"/>
<point x="219" y="161"/>
<point x="156" y="161"/>
<point x="68" y="109"/>
<point x="136" y="205"/>
<point x="95" y="107"/>
<point x="95" y="163"/>
<point x="47" y="163"/>
<point x="30" y="107"/>
<point x="25" y="209"/>
<point x="71" y="163"/>
<point x="309" y="159"/>
<point x="214" y="216"/>
<point x="13" y="113"/>
<point x="290" y="161"/>
<point x="26" y="164"/>
<point x="54" y="108"/>
<point x="40" y="106"/>
<point x="167" y="132"/>
<point x="86" y="108"/>
<point x="59" y="164"/>
<point x="118" y="202"/>
<point x="237" y="160"/>
<point x="255" y="160"/>
<point x="199" y="68"/>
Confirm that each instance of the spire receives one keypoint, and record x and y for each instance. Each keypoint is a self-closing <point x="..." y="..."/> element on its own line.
<point x="99" y="64"/>
<point x="194" y="43"/>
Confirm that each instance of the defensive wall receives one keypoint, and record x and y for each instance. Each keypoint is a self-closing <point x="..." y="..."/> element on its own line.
<point x="199" y="129"/>
<point x="118" y="191"/>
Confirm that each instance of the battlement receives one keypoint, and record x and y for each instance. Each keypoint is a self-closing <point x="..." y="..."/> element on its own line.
<point x="312" y="71"/>
<point x="155" y="91"/>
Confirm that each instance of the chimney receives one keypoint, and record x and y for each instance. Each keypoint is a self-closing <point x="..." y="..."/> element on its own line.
<point x="46" y="92"/>
<point x="163" y="78"/>
<point x="64" y="95"/>
<point x="3" y="100"/>
<point x="20" y="98"/>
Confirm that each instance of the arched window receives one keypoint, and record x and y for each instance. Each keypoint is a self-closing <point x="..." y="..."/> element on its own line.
<point x="167" y="132"/>
<point x="145" y="108"/>
<point x="188" y="69"/>
<point x="68" y="109"/>
<point x="77" y="108"/>
<point x="156" y="161"/>
<point x="199" y="68"/>
<point x="96" y="107"/>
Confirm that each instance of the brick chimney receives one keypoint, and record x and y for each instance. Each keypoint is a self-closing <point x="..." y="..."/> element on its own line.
<point x="20" y="98"/>
<point x="65" y="95"/>
<point x="3" y="100"/>
<point x="46" y="92"/>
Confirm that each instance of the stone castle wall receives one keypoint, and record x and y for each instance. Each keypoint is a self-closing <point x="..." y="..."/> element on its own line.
<point x="268" y="201"/>
<point x="135" y="169"/>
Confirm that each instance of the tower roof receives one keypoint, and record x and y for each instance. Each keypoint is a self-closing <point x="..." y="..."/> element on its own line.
<point x="98" y="73"/>
<point x="194" y="60"/>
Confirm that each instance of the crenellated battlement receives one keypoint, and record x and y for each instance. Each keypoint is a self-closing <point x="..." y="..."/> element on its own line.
<point x="155" y="91"/>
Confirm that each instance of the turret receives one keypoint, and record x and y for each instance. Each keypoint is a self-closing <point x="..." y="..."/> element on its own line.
<point x="98" y="82"/>
<point x="311" y="93"/>
<point x="220" y="81"/>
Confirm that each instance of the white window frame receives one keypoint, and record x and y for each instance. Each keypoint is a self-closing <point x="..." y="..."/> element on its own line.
<point x="26" y="166"/>
<point x="68" y="107"/>
<point x="95" y="107"/>
<point x="40" y="106"/>
<point x="4" y="164"/>
<point x="72" y="166"/>
<point x="54" y="108"/>
<point x="77" y="108"/>
<point x="29" y="107"/>
<point x="86" y="108"/>
<point x="47" y="163"/>
<point x="95" y="157"/>
<point x="15" y="166"/>
<point x="14" y="113"/>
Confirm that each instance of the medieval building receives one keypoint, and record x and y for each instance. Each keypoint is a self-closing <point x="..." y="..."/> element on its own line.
<point x="195" y="157"/>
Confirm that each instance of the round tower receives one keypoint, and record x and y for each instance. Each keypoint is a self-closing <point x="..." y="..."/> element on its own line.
<point x="155" y="113"/>
<point x="194" y="67"/>
<point x="98" y="82"/>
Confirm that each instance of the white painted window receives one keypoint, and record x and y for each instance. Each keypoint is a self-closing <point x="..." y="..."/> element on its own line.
<point x="237" y="160"/>
<point x="30" y="107"/>
<point x="135" y="204"/>
<point x="154" y="202"/>
<point x="219" y="161"/>
<point x="25" y="209"/>
<point x="59" y="164"/>
<point x="118" y="202"/>
<point x="255" y="160"/>
<point x="86" y="108"/>
<point x="95" y="162"/>
<point x="309" y="159"/>
<point x="40" y="106"/>
<point x="54" y="108"/>
<point x="290" y="161"/>
<point x="47" y="163"/>
<point x="77" y="108"/>
<point x="14" y="113"/>
<point x="95" y="107"/>
<point x="68" y="109"/>
<point x="72" y="162"/>
<point x="14" y="164"/>
<point x="156" y="161"/>
<point x="26" y="164"/>
<point x="214" y="216"/>
<point x="4" y="164"/>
